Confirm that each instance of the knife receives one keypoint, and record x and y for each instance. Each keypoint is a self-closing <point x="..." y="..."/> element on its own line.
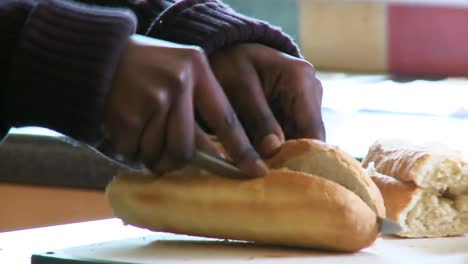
<point x="223" y="167"/>
<point x="388" y="227"/>
<point x="203" y="160"/>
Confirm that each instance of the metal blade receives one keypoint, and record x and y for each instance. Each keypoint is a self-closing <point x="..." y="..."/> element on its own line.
<point x="216" y="165"/>
<point x="389" y="227"/>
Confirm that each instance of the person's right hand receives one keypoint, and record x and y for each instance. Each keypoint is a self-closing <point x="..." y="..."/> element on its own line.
<point x="149" y="113"/>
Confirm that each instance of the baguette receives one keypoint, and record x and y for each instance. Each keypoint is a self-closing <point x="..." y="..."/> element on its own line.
<point x="424" y="187"/>
<point x="427" y="165"/>
<point x="285" y="207"/>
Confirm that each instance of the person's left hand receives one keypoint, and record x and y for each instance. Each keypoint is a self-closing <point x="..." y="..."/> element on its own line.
<point x="276" y="96"/>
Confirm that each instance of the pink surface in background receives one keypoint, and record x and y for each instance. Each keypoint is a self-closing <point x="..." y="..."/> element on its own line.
<point x="428" y="40"/>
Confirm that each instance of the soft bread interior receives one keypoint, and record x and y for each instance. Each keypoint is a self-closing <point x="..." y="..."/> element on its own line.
<point x="422" y="212"/>
<point x="318" y="158"/>
<point x="445" y="174"/>
<point x="432" y="215"/>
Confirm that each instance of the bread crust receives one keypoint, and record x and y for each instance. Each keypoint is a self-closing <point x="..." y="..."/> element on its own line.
<point x="283" y="208"/>
<point x="405" y="161"/>
<point x="397" y="196"/>
<point x="330" y="162"/>
<point x="293" y="208"/>
<point x="396" y="159"/>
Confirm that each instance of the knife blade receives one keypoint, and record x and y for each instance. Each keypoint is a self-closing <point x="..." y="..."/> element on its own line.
<point x="203" y="160"/>
<point x="388" y="227"/>
<point x="223" y="167"/>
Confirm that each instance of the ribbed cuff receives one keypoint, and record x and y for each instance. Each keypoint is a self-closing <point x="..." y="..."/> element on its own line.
<point x="64" y="65"/>
<point x="211" y="25"/>
<point x="13" y="14"/>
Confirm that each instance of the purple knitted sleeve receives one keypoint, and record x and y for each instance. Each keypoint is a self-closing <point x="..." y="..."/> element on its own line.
<point x="145" y="10"/>
<point x="57" y="57"/>
<point x="209" y="24"/>
<point x="63" y="57"/>
<point x="212" y="24"/>
<point x="12" y="17"/>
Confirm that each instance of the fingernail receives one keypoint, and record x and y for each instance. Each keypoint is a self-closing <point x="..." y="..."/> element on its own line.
<point x="261" y="168"/>
<point x="270" y="144"/>
<point x="256" y="169"/>
<point x="221" y="155"/>
<point x="218" y="153"/>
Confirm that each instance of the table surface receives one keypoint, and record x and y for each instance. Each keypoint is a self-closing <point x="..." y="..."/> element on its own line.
<point x="18" y="246"/>
<point x="141" y="246"/>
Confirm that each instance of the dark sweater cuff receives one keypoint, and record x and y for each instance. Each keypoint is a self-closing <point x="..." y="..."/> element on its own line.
<point x="211" y="25"/>
<point x="64" y="65"/>
<point x="13" y="13"/>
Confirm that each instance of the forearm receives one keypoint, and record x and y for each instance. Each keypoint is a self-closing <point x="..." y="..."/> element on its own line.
<point x="214" y="25"/>
<point x="209" y="24"/>
<point x="13" y="14"/>
<point x="146" y="11"/>
<point x="61" y="65"/>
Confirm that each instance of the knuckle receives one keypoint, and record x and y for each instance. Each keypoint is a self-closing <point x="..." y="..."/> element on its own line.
<point x="159" y="100"/>
<point x="196" y="57"/>
<point x="180" y="79"/>
<point x="318" y="87"/>
<point x="195" y="53"/>
<point x="230" y="120"/>
<point x="245" y="153"/>
<point x="304" y="66"/>
<point x="192" y="61"/>
<point x="261" y="124"/>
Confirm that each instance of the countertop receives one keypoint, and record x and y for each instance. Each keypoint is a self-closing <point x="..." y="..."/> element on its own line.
<point x="136" y="245"/>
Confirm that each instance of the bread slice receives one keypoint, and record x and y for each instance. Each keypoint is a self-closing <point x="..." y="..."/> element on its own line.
<point x="285" y="207"/>
<point x="328" y="161"/>
<point x="428" y="166"/>
<point x="422" y="212"/>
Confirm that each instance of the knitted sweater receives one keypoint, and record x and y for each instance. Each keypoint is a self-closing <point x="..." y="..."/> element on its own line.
<point x="58" y="57"/>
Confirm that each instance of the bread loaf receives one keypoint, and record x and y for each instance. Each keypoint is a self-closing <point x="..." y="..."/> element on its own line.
<point x="285" y="207"/>
<point x="425" y="187"/>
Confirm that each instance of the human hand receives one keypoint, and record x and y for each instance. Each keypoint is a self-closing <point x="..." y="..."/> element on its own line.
<point x="149" y="113"/>
<point x="275" y="95"/>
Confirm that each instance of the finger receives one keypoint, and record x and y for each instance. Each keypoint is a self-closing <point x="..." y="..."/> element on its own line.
<point x="204" y="142"/>
<point x="180" y="131"/>
<point x="216" y="110"/>
<point x="123" y="126"/>
<point x="248" y="99"/>
<point x="308" y="120"/>
<point x="152" y="140"/>
<point x="297" y="107"/>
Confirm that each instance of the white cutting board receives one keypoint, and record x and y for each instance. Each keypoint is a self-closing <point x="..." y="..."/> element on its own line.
<point x="169" y="248"/>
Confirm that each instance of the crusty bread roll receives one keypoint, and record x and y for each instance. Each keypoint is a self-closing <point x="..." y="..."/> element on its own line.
<point x="283" y="208"/>
<point x="424" y="187"/>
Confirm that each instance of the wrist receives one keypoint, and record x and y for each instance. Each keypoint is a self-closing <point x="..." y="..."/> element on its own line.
<point x="212" y="25"/>
<point x="59" y="75"/>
